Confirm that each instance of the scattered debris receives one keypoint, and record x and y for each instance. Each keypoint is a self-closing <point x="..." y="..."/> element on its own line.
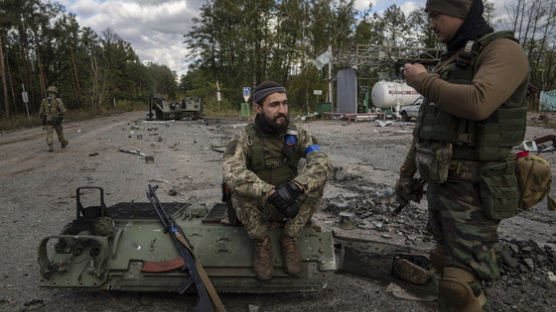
<point x="384" y="123"/>
<point x="158" y="121"/>
<point x="139" y="137"/>
<point x="399" y="292"/>
<point x="93" y="154"/>
<point x="172" y="192"/>
<point x="78" y="131"/>
<point x="158" y="181"/>
<point x="253" y="308"/>
<point x="149" y="159"/>
<point x="219" y="148"/>
<point x="347" y="221"/>
<point x="160" y="139"/>
<point x="134" y="152"/>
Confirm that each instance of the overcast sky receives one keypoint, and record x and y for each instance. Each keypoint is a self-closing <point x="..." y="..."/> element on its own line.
<point x="155" y="28"/>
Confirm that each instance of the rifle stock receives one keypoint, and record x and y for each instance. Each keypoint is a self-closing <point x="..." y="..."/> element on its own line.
<point x="197" y="274"/>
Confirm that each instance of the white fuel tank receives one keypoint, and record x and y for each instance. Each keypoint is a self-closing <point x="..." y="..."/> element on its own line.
<point x="393" y="94"/>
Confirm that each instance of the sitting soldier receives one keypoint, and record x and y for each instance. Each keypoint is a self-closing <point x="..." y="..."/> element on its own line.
<point x="260" y="167"/>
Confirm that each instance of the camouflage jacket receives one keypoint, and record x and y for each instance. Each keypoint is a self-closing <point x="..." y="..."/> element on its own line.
<point x="52" y="108"/>
<point x="246" y="183"/>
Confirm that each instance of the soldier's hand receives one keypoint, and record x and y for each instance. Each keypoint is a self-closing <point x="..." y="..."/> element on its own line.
<point x="283" y="198"/>
<point x="411" y="71"/>
<point x="409" y="189"/>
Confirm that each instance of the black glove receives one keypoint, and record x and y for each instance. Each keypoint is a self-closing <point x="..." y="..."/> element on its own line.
<point x="284" y="199"/>
<point x="60" y="118"/>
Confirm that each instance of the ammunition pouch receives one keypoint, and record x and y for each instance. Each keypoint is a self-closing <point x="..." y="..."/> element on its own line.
<point x="499" y="189"/>
<point x="535" y="181"/>
<point x="433" y="160"/>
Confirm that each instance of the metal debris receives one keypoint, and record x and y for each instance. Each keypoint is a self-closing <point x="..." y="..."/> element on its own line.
<point x="133" y="152"/>
<point x="93" y="154"/>
<point x="149" y="159"/>
<point x="158" y="121"/>
<point x="384" y="123"/>
<point x="219" y="148"/>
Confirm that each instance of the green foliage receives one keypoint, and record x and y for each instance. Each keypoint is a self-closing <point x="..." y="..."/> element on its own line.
<point x="91" y="71"/>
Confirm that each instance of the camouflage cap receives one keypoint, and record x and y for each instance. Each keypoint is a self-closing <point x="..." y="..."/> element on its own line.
<point x="455" y="8"/>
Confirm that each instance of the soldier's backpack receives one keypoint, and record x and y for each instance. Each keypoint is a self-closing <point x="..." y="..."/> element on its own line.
<point x="535" y="181"/>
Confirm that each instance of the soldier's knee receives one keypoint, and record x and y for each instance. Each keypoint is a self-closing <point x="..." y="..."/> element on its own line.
<point x="455" y="290"/>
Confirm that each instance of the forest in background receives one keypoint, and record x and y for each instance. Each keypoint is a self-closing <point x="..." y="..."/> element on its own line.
<point x="235" y="42"/>
<point x="243" y="42"/>
<point x="41" y="44"/>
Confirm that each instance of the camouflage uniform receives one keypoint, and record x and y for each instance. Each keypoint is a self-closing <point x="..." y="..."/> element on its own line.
<point x="52" y="111"/>
<point x="249" y="189"/>
<point x="474" y="113"/>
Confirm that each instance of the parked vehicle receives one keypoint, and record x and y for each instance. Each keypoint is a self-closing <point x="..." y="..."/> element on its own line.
<point x="411" y="111"/>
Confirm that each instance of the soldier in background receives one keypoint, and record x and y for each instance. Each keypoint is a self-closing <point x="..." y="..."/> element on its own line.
<point x="260" y="166"/>
<point x="473" y="115"/>
<point x="52" y="114"/>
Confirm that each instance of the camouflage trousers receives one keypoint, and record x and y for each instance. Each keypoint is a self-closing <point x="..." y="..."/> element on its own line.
<point x="459" y="225"/>
<point x="255" y="215"/>
<point x="49" y="133"/>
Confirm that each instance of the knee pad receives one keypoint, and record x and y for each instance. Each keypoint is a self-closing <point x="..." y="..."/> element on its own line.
<point x="454" y="290"/>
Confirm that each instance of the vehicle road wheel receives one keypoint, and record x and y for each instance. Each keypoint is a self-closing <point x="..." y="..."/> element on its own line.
<point x="405" y="117"/>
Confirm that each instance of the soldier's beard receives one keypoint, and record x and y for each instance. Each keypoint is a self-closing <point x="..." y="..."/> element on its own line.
<point x="272" y="123"/>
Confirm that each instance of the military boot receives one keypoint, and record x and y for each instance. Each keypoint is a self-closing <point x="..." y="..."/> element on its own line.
<point x="262" y="259"/>
<point x="291" y="254"/>
<point x="50" y="149"/>
<point x="65" y="143"/>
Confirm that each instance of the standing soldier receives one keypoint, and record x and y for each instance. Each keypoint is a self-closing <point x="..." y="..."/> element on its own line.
<point x="260" y="167"/>
<point x="473" y="115"/>
<point x="52" y="113"/>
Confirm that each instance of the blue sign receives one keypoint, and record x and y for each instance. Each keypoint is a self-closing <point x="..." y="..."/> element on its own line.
<point x="547" y="102"/>
<point x="246" y="93"/>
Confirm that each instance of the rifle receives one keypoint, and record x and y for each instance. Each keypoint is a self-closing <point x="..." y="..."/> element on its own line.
<point x="420" y="186"/>
<point x="197" y="274"/>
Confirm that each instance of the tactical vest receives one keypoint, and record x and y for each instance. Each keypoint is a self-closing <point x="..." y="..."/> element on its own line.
<point x="266" y="159"/>
<point x="51" y="107"/>
<point x="487" y="140"/>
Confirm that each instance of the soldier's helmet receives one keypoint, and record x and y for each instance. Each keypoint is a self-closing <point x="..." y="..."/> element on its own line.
<point x="52" y="89"/>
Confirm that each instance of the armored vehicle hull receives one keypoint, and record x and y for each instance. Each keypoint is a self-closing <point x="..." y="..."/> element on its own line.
<point x="164" y="110"/>
<point x="124" y="247"/>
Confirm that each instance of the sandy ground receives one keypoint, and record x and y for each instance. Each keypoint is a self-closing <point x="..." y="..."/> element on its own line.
<point x="38" y="199"/>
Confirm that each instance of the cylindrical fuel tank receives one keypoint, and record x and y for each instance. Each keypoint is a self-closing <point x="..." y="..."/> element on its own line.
<point x="392" y="94"/>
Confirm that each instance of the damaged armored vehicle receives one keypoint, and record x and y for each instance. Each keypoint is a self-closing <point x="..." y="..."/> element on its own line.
<point x="165" y="110"/>
<point x="132" y="246"/>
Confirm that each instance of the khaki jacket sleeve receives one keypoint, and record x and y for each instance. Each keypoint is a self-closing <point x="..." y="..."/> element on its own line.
<point x="503" y="66"/>
<point x="235" y="173"/>
<point x="318" y="167"/>
<point x="61" y="108"/>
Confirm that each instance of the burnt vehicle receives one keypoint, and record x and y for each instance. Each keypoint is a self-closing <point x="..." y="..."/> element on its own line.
<point x="165" y="110"/>
<point x="126" y="247"/>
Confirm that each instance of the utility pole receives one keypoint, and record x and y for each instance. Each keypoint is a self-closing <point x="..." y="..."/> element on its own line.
<point x="330" y="83"/>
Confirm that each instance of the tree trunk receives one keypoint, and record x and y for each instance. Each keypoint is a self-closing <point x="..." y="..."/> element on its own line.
<point x="42" y="75"/>
<point x="76" y="79"/>
<point x="10" y="78"/>
<point x="4" y="86"/>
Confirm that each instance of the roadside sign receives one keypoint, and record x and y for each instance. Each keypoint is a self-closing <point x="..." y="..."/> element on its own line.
<point x="246" y="93"/>
<point x="317" y="92"/>
<point x="25" y="97"/>
<point x="218" y="96"/>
